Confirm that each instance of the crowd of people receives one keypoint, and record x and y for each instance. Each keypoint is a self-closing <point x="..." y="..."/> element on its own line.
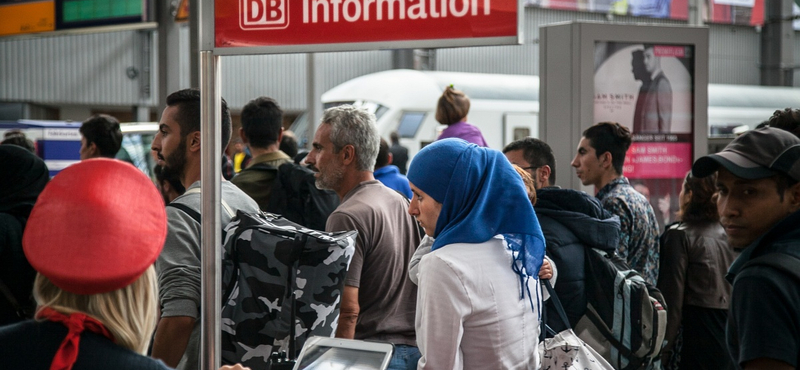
<point x="450" y="251"/>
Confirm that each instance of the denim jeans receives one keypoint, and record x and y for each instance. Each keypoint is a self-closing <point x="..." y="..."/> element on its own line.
<point x="404" y="358"/>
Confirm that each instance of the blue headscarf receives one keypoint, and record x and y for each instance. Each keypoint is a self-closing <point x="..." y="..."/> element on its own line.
<point x="481" y="196"/>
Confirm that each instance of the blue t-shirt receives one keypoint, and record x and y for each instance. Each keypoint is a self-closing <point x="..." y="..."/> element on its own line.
<point x="391" y="177"/>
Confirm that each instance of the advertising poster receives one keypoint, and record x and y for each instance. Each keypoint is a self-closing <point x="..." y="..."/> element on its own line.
<point x="648" y="88"/>
<point x="672" y="9"/>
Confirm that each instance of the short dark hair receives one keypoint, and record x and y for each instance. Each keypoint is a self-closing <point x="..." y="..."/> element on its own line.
<point x="452" y="107"/>
<point x="103" y="130"/>
<point x="783" y="182"/>
<point x="262" y="120"/>
<point x="170" y="177"/>
<point x="787" y="119"/>
<point x="536" y="152"/>
<point x="702" y="206"/>
<point x="18" y="138"/>
<point x="610" y="137"/>
<point x="395" y="137"/>
<point x="288" y="145"/>
<point x="383" y="155"/>
<point x="188" y="103"/>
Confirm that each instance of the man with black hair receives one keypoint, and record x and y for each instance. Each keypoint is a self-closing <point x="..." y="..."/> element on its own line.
<point x="389" y="174"/>
<point x="601" y="154"/>
<point x="399" y="153"/>
<point x="261" y="131"/>
<point x="654" y="109"/>
<point x="787" y="119"/>
<point x="178" y="149"/>
<point x="535" y="157"/>
<point x="571" y="221"/>
<point x="100" y="137"/>
<point x="759" y="207"/>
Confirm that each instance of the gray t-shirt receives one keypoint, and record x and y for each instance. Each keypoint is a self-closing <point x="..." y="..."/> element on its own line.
<point x="178" y="266"/>
<point x="387" y="238"/>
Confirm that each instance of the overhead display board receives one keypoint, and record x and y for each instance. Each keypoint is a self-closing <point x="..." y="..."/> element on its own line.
<point x="281" y="26"/>
<point x="20" y="17"/>
<point x="92" y="13"/>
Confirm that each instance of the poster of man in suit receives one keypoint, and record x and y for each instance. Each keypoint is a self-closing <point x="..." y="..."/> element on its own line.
<point x="649" y="89"/>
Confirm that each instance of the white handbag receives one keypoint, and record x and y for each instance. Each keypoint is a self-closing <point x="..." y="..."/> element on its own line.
<point x="565" y="351"/>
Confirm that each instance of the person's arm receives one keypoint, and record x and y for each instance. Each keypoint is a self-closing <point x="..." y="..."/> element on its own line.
<point x="171" y="339"/>
<point x="766" y="364"/>
<point x="664" y="105"/>
<point x="348" y="313"/>
<point x="442" y="305"/>
<point x="178" y="268"/>
<point x="350" y="308"/>
<point x="413" y="265"/>
<point x="672" y="280"/>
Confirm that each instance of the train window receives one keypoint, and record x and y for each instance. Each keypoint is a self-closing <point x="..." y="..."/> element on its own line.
<point x="335" y="104"/>
<point x="410" y="123"/>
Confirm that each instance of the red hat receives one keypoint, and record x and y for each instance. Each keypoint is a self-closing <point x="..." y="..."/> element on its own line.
<point x="96" y="227"/>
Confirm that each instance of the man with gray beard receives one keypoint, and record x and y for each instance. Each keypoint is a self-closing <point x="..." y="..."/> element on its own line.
<point x="379" y="300"/>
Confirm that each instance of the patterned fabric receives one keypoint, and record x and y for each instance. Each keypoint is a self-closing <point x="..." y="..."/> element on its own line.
<point x="261" y="251"/>
<point x="638" y="243"/>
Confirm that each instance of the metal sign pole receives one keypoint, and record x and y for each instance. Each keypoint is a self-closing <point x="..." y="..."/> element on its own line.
<point x="210" y="174"/>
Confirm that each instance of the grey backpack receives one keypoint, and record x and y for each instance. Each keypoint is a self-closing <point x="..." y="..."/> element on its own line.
<point x="626" y="317"/>
<point x="266" y="258"/>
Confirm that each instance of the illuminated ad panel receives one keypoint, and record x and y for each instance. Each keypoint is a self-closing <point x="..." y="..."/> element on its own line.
<point x="649" y="89"/>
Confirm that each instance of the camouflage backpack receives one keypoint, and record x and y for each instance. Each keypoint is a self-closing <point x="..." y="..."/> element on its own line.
<point x="265" y="259"/>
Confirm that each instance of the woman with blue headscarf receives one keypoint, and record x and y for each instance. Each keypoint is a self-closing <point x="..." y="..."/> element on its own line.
<point x="478" y="299"/>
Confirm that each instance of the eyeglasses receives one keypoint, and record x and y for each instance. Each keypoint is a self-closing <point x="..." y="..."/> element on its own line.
<point x="531" y="168"/>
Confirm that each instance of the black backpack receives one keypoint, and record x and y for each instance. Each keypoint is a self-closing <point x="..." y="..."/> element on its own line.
<point x="626" y="317"/>
<point x="295" y="196"/>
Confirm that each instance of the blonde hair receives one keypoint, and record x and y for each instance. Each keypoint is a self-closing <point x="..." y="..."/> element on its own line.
<point x="453" y="106"/>
<point x="129" y="313"/>
<point x="527" y="179"/>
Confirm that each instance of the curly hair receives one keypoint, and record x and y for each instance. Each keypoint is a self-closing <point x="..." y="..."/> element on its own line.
<point x="787" y="119"/>
<point x="702" y="205"/>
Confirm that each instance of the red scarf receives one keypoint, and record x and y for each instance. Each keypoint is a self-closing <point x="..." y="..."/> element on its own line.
<point x="76" y="323"/>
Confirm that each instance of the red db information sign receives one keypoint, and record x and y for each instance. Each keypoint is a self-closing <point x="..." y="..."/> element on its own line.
<point x="360" y="24"/>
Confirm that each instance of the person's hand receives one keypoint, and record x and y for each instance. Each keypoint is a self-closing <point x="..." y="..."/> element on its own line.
<point x="546" y="271"/>
<point x="234" y="367"/>
<point x="663" y="206"/>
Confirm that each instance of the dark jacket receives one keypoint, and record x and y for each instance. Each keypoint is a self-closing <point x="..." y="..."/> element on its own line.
<point x="572" y="221"/>
<point x="694" y="260"/>
<point x="32" y="345"/>
<point x="763" y="320"/>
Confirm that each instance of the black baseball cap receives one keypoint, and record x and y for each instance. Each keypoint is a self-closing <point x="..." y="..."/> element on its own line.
<point x="756" y="154"/>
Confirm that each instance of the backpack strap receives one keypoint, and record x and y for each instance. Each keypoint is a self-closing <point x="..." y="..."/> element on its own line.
<point x="260" y="167"/>
<point x="196" y="215"/>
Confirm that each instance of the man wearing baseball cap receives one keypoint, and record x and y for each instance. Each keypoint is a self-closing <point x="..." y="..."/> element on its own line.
<point x="759" y="199"/>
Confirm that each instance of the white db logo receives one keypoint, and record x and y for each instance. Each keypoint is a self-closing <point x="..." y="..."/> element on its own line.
<point x="263" y="14"/>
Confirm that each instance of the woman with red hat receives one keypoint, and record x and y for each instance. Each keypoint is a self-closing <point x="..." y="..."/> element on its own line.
<point x="93" y="236"/>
